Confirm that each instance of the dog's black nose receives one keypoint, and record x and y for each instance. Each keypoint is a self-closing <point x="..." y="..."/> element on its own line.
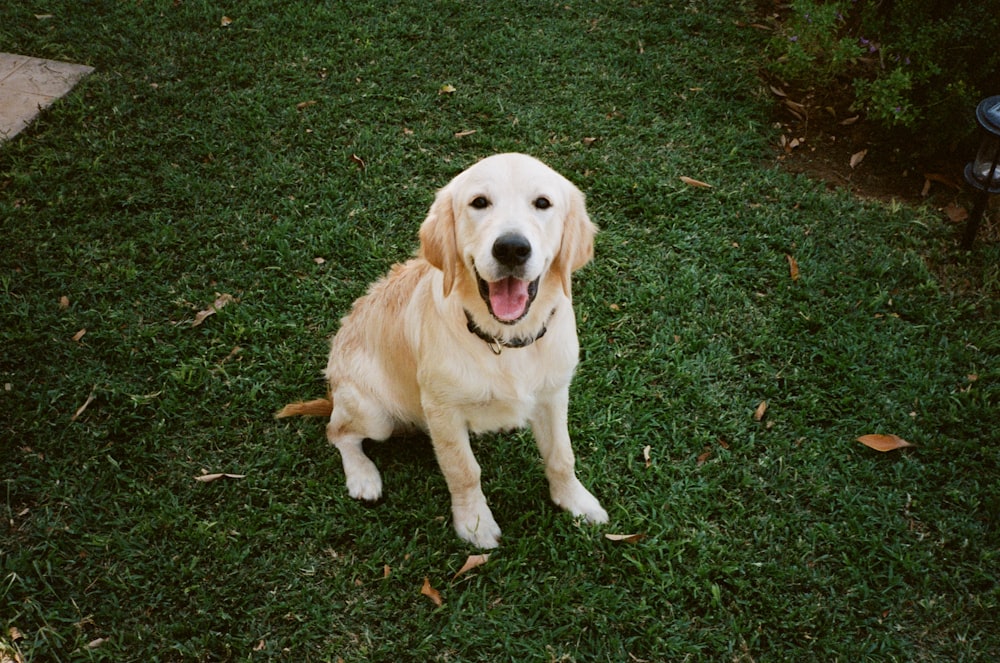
<point x="512" y="250"/>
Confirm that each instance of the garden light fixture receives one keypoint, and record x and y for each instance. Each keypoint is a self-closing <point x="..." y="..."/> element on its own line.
<point x="984" y="173"/>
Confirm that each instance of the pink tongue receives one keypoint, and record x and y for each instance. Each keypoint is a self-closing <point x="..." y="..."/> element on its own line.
<point x="508" y="298"/>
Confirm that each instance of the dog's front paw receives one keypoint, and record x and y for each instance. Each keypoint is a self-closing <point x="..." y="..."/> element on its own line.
<point x="576" y="499"/>
<point x="475" y="524"/>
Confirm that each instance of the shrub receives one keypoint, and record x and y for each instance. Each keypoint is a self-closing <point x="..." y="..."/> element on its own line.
<point x="914" y="66"/>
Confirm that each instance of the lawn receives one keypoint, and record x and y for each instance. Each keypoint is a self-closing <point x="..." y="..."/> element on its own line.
<point x="283" y="155"/>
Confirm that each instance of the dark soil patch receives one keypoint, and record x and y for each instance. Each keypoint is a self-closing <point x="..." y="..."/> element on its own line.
<point x="821" y="135"/>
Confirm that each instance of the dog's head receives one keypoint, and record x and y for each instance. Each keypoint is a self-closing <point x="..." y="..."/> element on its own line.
<point x="506" y="227"/>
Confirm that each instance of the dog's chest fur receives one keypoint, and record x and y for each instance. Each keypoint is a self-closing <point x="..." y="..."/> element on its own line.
<point x="500" y="392"/>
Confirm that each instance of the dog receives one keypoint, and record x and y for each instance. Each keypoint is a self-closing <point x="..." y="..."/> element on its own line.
<point x="475" y="334"/>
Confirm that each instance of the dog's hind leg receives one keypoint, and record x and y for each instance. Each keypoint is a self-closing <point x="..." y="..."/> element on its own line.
<point x="350" y="425"/>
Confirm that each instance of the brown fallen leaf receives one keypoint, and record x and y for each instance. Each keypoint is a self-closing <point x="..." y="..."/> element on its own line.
<point x="793" y="267"/>
<point x="302" y="105"/>
<point x="956" y="213"/>
<point x="260" y="646"/>
<point x="463" y="134"/>
<point x="761" y="410"/>
<point x="646" y="450"/>
<point x="474" y="561"/>
<point x="446" y="89"/>
<point x="14" y="634"/>
<point x="386" y="571"/>
<point x="849" y="121"/>
<point x="359" y="162"/>
<point x="696" y="183"/>
<point x="704" y="456"/>
<point x="94" y="644"/>
<point x="946" y="180"/>
<point x="219" y="303"/>
<point x="796" y="109"/>
<point x="226" y="21"/>
<point x="589" y="140"/>
<point x="64" y="302"/>
<point x="625" y="538"/>
<point x="208" y="478"/>
<point x="77" y="336"/>
<point x="86" y="403"/>
<point x="857" y="158"/>
<point x="884" y="442"/>
<point x="431" y="593"/>
<point x="926" y="190"/>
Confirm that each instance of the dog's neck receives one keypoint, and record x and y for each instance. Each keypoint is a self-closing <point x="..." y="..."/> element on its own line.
<point x="498" y="344"/>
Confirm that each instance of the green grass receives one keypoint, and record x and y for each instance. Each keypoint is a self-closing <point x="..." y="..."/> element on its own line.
<point x="184" y="168"/>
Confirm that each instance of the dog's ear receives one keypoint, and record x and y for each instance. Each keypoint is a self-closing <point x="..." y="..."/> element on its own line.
<point x="437" y="238"/>
<point x="577" y="247"/>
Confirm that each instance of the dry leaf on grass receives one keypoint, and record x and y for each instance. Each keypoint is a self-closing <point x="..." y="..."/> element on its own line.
<point x="302" y="105"/>
<point x="463" y="134"/>
<point x="646" y="451"/>
<point x="884" y="442"/>
<point x="625" y="538"/>
<point x="474" y="561"/>
<point x="431" y="593"/>
<point x="226" y="22"/>
<point x="761" y="410"/>
<point x="956" y="213"/>
<point x="64" y="302"/>
<point x="793" y="267"/>
<point x="857" y="158"/>
<point x="8" y="655"/>
<point x="359" y="162"/>
<point x="220" y="301"/>
<point x="446" y="89"/>
<point x="208" y="478"/>
<point x="77" y="336"/>
<point x="86" y="403"/>
<point x="695" y="183"/>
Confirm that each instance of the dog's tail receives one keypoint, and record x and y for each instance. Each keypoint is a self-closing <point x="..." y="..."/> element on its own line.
<point x="321" y="407"/>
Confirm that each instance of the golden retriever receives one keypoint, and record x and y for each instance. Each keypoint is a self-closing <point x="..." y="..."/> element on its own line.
<point x="475" y="334"/>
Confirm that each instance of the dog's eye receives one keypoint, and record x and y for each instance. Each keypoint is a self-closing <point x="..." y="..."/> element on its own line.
<point x="542" y="203"/>
<point x="480" y="202"/>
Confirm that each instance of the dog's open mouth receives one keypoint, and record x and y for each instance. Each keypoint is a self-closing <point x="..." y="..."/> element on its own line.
<point x="508" y="299"/>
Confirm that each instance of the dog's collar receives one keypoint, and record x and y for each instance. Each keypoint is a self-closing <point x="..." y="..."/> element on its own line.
<point x="497" y="344"/>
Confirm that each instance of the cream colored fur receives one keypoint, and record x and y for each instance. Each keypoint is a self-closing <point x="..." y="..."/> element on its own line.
<point x="404" y="357"/>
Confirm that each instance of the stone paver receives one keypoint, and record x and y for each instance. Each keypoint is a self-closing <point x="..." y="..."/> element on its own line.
<point x="30" y="85"/>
